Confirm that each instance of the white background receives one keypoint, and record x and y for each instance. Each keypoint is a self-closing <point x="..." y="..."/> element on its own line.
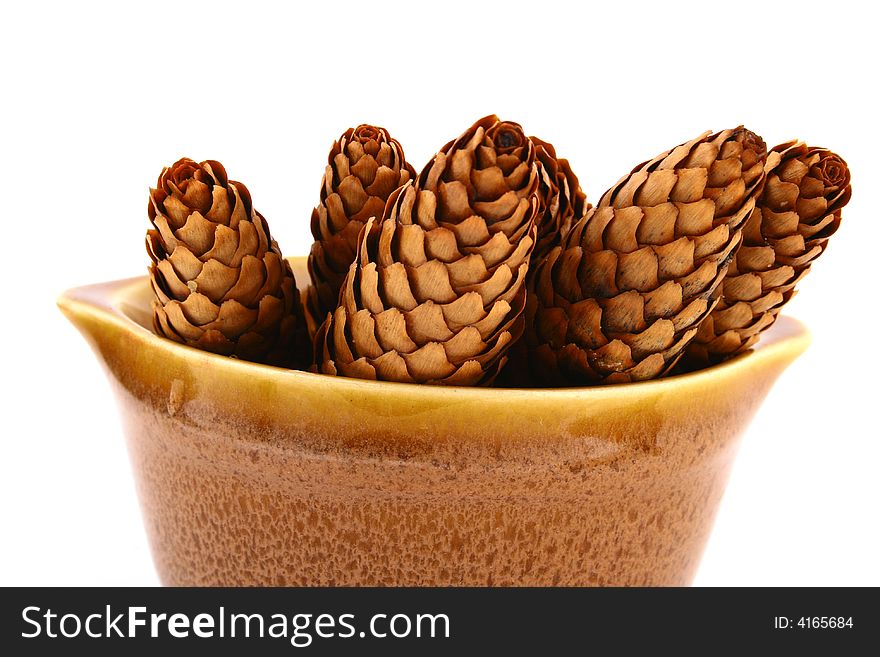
<point x="97" y="98"/>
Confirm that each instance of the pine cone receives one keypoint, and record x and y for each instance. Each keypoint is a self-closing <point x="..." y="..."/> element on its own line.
<point x="561" y="200"/>
<point x="219" y="278"/>
<point x="799" y="209"/>
<point x="364" y="167"/>
<point x="437" y="293"/>
<point x="620" y="299"/>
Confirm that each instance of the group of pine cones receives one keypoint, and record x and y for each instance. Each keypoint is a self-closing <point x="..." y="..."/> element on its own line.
<point x="490" y="265"/>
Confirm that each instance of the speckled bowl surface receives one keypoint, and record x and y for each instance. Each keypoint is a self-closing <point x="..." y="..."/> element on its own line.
<point x="254" y="475"/>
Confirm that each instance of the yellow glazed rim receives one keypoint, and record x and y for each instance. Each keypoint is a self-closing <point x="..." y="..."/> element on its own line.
<point x="113" y="304"/>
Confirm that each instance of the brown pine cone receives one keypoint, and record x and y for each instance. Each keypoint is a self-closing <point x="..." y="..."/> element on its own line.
<point x="437" y="293"/>
<point x="221" y="283"/>
<point x="561" y="202"/>
<point x="799" y="209"/>
<point x="560" y="197"/>
<point x="620" y="299"/>
<point x="364" y="167"/>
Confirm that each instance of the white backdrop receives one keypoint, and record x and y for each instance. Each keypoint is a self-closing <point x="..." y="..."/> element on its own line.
<point x="97" y="98"/>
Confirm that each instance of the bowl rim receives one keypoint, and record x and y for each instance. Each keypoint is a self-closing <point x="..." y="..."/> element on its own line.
<point x="104" y="303"/>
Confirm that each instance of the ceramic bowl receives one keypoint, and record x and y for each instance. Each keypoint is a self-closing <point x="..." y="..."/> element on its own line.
<point x="254" y="475"/>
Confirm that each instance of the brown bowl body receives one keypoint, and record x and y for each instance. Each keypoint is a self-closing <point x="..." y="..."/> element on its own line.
<point x="254" y="475"/>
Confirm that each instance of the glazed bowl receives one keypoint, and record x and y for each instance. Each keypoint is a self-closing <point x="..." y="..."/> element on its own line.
<point x="254" y="475"/>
